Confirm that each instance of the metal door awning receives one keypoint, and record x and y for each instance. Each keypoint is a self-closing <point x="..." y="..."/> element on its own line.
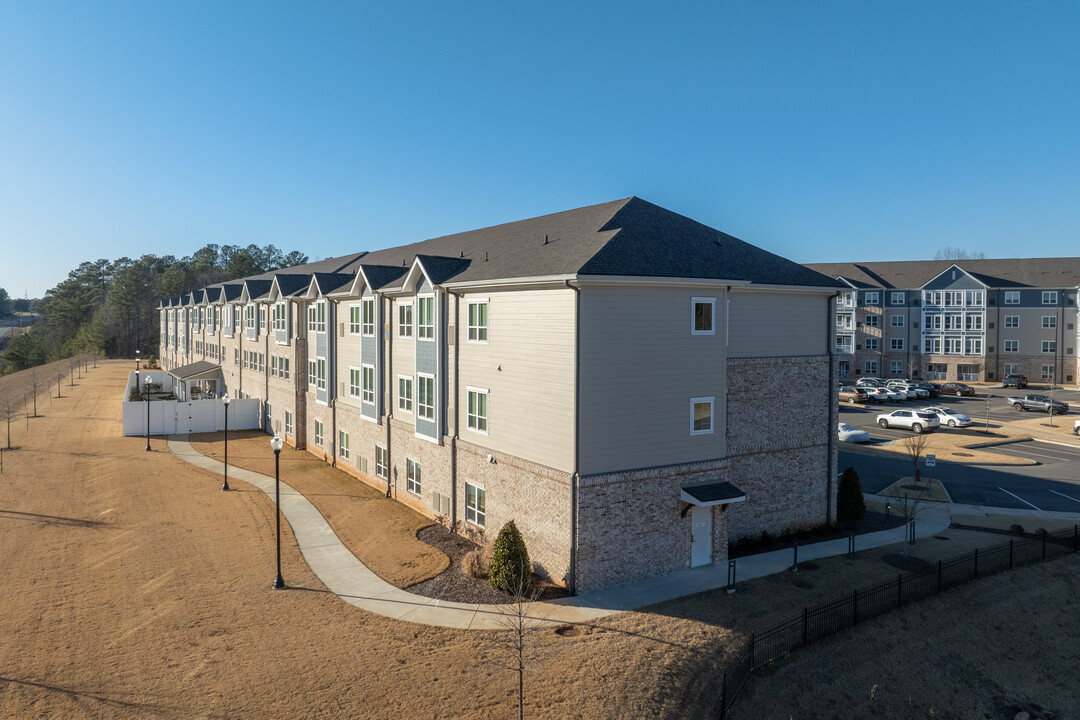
<point x="201" y="370"/>
<point x="711" y="493"/>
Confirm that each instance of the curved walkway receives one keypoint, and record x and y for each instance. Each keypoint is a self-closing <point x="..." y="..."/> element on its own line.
<point x="348" y="578"/>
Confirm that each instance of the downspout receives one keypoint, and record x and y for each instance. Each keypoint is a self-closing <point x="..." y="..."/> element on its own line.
<point x="830" y="330"/>
<point x="387" y="323"/>
<point x="576" y="477"/>
<point x="266" y="369"/>
<point x="240" y="346"/>
<point x="331" y="383"/>
<point x="457" y="397"/>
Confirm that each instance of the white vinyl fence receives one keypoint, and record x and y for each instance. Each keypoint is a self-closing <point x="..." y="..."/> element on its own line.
<point x="174" y="417"/>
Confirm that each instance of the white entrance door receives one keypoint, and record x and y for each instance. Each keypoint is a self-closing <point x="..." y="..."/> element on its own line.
<point x="701" y="545"/>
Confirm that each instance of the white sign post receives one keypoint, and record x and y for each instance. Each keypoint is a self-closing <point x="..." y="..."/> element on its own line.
<point x="931" y="461"/>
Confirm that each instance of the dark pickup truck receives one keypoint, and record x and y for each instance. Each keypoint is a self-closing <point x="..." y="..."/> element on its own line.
<point x="1039" y="402"/>
<point x="1016" y="381"/>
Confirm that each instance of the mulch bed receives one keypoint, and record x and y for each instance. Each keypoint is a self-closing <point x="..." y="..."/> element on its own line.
<point x="872" y="522"/>
<point x="455" y="585"/>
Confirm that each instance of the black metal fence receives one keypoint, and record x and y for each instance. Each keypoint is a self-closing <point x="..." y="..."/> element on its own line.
<point x="815" y="623"/>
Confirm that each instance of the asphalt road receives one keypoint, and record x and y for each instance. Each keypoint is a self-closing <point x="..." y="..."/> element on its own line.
<point x="1052" y="485"/>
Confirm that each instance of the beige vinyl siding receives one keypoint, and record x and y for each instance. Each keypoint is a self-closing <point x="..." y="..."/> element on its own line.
<point x="404" y="353"/>
<point x="527" y="366"/>
<point x="640" y="365"/>
<point x="773" y="324"/>
<point x="348" y="353"/>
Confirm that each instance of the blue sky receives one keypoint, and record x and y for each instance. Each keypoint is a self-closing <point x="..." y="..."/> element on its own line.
<point x="822" y="131"/>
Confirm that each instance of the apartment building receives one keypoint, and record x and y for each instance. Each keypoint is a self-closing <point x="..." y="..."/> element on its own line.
<point x="609" y="377"/>
<point x="967" y="320"/>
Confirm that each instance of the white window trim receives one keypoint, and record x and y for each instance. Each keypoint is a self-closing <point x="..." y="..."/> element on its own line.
<point x="434" y="397"/>
<point x="476" y="512"/>
<point x="412" y="394"/>
<point x="487" y="407"/>
<point x="1050" y="295"/>
<point x="1012" y="297"/>
<point x="893" y="300"/>
<point x="1049" y="322"/>
<point x="385" y="474"/>
<point x="468" y="319"/>
<point x="1012" y="317"/>
<point x="1052" y="347"/>
<point x="711" y="400"/>
<point x="1005" y="346"/>
<point x="434" y="321"/>
<point x="364" y="331"/>
<point x="343" y="444"/>
<point x="359" y="319"/>
<point x="374" y="382"/>
<point x="402" y="327"/>
<point x="896" y="320"/>
<point x="694" y="302"/>
<point x="896" y="343"/>
<point x="359" y="384"/>
<point x="408" y="480"/>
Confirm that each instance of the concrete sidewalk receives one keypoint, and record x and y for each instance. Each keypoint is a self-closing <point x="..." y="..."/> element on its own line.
<point x="348" y="578"/>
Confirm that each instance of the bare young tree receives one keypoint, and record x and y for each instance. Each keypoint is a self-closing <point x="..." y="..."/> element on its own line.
<point x="915" y="448"/>
<point x="516" y="647"/>
<point x="8" y="412"/>
<point x="33" y="382"/>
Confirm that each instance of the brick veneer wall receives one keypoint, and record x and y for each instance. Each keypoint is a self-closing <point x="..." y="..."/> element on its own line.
<point x="780" y="417"/>
<point x="633" y="525"/>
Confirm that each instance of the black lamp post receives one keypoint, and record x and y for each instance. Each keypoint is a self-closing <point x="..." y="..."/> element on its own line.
<point x="138" y="387"/>
<point x="148" y="380"/>
<point x="225" y="400"/>
<point x="136" y="361"/>
<point x="275" y="444"/>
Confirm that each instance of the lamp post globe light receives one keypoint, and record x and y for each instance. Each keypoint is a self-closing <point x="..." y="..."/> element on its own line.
<point x="225" y="400"/>
<point x="275" y="445"/>
<point x="136" y="361"/>
<point x="148" y="380"/>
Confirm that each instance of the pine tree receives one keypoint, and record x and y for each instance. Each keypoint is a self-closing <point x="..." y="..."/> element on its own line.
<point x="849" y="498"/>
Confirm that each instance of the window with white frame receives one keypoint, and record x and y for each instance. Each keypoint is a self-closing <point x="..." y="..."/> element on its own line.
<point x="843" y="321"/>
<point x="236" y="316"/>
<point x="1049" y="297"/>
<point x="896" y="343"/>
<point x="1049" y="321"/>
<point x="283" y="368"/>
<point x="1012" y="297"/>
<point x="896" y="320"/>
<point x="872" y="298"/>
<point x="478" y="410"/>
<point x="1012" y="368"/>
<point x="702" y="314"/>
<point x="354" y="319"/>
<point x="236" y="356"/>
<point x="425" y="397"/>
<point x="475" y="505"/>
<point x="954" y="322"/>
<point x="367" y="306"/>
<point x="871" y="343"/>
<point x="872" y="321"/>
<point x="312" y="372"/>
<point x="932" y="322"/>
<point x="973" y="298"/>
<point x="973" y="346"/>
<point x="845" y="343"/>
<point x="1012" y="321"/>
<point x="288" y="422"/>
<point x="368" y="386"/>
<point x="318" y="433"/>
<point x="404" y="399"/>
<point x="1047" y="372"/>
<point x="870" y="367"/>
<point x="425" y="317"/>
<point x="1049" y="346"/>
<point x="953" y="346"/>
<point x="343" y="444"/>
<point x="320" y="372"/>
<point x="478" y="320"/>
<point x="896" y="367"/>
<point x="382" y="462"/>
<point x="896" y="298"/>
<point x="1011" y="346"/>
<point x="405" y="323"/>
<point x="262" y="320"/>
<point x="249" y="316"/>
<point x="317" y="317"/>
<point x="701" y="415"/>
<point x="280" y="310"/>
<point x="412" y="476"/>
<point x="973" y="321"/>
<point x="354" y="382"/>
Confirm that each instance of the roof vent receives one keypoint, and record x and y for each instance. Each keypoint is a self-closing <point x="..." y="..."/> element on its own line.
<point x="545" y="239"/>
<point x="461" y="254"/>
<point x="485" y="256"/>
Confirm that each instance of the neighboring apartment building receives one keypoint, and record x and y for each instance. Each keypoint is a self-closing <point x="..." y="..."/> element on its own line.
<point x="616" y="379"/>
<point x="965" y="320"/>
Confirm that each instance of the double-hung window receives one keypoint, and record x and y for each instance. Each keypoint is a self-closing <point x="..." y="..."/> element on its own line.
<point x="1012" y="297"/>
<point x="262" y="320"/>
<point x="382" y="462"/>
<point x="475" y="505"/>
<point x="343" y="444"/>
<point x="354" y="382"/>
<point x="896" y="343"/>
<point x="871" y="343"/>
<point x="872" y="298"/>
<point x="1012" y="321"/>
<point x="320" y="368"/>
<point x="318" y="433"/>
<point x="368" y="316"/>
<point x="368" y="384"/>
<point x="478" y="410"/>
<point x="404" y="400"/>
<point x="279" y="317"/>
<point x="871" y="321"/>
<point x="425" y="397"/>
<point x="312" y="372"/>
<point x="354" y="319"/>
<point x="896" y="298"/>
<point x="412" y="476"/>
<point x="701" y="415"/>
<point x="404" y="328"/>
<point x="896" y="320"/>
<point x="702" y="316"/>
<point x="1049" y="322"/>
<point x="1012" y="346"/>
<point x="478" y="321"/>
<point x="1049" y="346"/>
<point x="288" y="422"/>
<point x="425" y="317"/>
<point x="1049" y="297"/>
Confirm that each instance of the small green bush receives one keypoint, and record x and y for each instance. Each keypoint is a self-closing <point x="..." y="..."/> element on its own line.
<point x="850" y="507"/>
<point x="510" y="569"/>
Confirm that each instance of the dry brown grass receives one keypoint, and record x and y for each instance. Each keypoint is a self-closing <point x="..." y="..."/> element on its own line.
<point x="135" y="588"/>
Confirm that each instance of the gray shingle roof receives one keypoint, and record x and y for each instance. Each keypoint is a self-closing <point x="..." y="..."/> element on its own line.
<point x="998" y="273"/>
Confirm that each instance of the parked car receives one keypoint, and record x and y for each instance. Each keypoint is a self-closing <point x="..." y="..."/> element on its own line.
<point x="1016" y="381"/>
<point x="871" y="381"/>
<point x="852" y="435"/>
<point x="894" y="395"/>
<point x="1076" y="427"/>
<point x="876" y="394"/>
<point x="916" y="421"/>
<point x="909" y="388"/>
<point x="948" y="416"/>
<point x="930" y="388"/>
<point x="1038" y="402"/>
<point x="851" y="394"/>
<point x="956" y="388"/>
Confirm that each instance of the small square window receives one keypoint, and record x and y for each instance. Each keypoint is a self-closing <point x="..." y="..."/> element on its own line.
<point x="702" y="319"/>
<point x="701" y="415"/>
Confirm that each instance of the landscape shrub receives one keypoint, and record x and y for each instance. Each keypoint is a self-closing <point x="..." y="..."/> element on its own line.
<point x="476" y="562"/>
<point x="510" y="569"/>
<point x="850" y="507"/>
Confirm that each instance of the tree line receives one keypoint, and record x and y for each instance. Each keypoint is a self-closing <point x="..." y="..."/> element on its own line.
<point x="109" y="307"/>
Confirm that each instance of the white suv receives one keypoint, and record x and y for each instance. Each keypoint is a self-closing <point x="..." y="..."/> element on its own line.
<point x="916" y="421"/>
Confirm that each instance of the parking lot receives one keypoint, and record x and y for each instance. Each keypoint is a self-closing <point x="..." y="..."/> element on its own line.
<point x="1050" y="485"/>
